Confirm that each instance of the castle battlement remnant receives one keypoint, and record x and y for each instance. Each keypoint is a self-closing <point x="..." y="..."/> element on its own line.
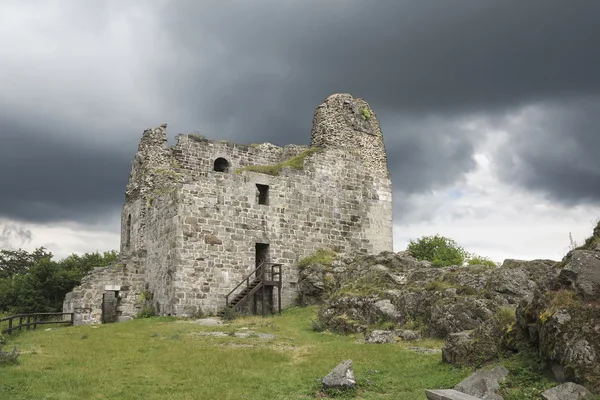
<point x="201" y="215"/>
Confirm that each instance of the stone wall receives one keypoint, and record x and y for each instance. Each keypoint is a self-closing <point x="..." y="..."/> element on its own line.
<point x="333" y="202"/>
<point x="124" y="277"/>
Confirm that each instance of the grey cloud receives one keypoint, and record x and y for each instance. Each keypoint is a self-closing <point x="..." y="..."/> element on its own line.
<point x="255" y="71"/>
<point x="13" y="235"/>
<point x="52" y="180"/>
<point x="410" y="56"/>
<point x="553" y="149"/>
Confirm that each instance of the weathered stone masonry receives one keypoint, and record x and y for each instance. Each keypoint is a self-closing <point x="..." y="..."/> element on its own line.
<point x="195" y="220"/>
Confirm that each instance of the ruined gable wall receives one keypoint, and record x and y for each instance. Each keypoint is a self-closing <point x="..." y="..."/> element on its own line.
<point x="125" y="276"/>
<point x="163" y="242"/>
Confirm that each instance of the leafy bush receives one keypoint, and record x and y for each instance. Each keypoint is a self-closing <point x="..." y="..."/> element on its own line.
<point x="317" y="325"/>
<point x="147" y="311"/>
<point x="9" y="357"/>
<point x="229" y="314"/>
<point x="444" y="252"/>
<point x="439" y="250"/>
<point x="479" y="260"/>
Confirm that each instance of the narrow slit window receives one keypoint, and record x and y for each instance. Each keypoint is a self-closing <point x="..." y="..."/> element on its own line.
<point x="128" y="231"/>
<point x="263" y="194"/>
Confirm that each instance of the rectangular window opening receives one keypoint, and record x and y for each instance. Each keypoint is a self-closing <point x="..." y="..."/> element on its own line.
<point x="263" y="194"/>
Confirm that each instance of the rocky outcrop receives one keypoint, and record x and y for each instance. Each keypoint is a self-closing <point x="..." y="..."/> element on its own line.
<point x="484" y="312"/>
<point x="566" y="329"/>
<point x="563" y="322"/>
<point x="357" y="292"/>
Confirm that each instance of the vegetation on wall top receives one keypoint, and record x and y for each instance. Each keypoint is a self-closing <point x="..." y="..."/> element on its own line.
<point x="296" y="162"/>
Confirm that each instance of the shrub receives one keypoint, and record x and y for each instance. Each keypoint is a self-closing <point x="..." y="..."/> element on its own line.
<point x="317" y="325"/>
<point x="9" y="357"/>
<point x="147" y="311"/>
<point x="439" y="250"/>
<point x="229" y="314"/>
<point x="439" y="285"/>
<point x="479" y="260"/>
<point x="506" y="317"/>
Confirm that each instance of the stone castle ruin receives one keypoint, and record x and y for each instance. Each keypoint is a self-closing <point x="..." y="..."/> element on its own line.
<point x="203" y="216"/>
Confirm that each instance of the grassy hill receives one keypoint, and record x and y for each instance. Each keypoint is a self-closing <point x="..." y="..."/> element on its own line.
<point x="164" y="358"/>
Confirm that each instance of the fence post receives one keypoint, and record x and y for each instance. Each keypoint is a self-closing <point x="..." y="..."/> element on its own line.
<point x="10" y="324"/>
<point x="20" y="324"/>
<point x="73" y="318"/>
<point x="28" y="321"/>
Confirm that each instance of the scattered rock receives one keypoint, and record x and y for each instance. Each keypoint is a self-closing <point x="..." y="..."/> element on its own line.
<point x="566" y="391"/>
<point x="448" y="394"/>
<point x="341" y="377"/>
<point x="423" y="350"/>
<point x="483" y="383"/>
<point x="408" y="335"/>
<point x="381" y="337"/>
<point x="209" y="321"/>
<point x="247" y="334"/>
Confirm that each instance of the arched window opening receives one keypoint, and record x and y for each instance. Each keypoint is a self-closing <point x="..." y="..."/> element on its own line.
<point x="128" y="230"/>
<point x="221" y="165"/>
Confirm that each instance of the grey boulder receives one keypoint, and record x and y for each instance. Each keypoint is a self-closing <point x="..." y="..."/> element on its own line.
<point x="341" y="377"/>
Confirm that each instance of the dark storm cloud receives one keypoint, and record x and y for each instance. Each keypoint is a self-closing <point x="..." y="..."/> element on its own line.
<point x="553" y="148"/>
<point x="255" y="71"/>
<point x="403" y="55"/>
<point x="46" y="179"/>
<point x="422" y="66"/>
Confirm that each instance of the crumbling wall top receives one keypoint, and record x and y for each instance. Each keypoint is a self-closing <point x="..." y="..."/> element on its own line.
<point x="349" y="123"/>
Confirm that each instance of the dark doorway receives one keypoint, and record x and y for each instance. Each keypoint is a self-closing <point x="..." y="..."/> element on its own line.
<point x="110" y="303"/>
<point x="261" y="253"/>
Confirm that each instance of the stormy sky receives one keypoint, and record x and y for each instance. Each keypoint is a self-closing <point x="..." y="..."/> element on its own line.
<point x="490" y="110"/>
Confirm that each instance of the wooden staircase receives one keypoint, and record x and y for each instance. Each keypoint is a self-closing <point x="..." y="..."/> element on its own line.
<point x="266" y="275"/>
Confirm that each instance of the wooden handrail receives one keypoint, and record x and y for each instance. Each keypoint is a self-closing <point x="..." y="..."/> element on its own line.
<point x="35" y="322"/>
<point x="260" y="275"/>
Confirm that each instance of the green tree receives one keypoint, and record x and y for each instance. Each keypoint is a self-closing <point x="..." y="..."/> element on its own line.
<point x="18" y="262"/>
<point x="439" y="250"/>
<point x="33" y="282"/>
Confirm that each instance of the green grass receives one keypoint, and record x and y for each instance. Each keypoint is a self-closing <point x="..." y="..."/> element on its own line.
<point x="296" y="162"/>
<point x="321" y="256"/>
<point x="161" y="358"/>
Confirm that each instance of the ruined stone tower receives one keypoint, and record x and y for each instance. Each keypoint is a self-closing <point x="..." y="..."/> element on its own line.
<point x="201" y="215"/>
